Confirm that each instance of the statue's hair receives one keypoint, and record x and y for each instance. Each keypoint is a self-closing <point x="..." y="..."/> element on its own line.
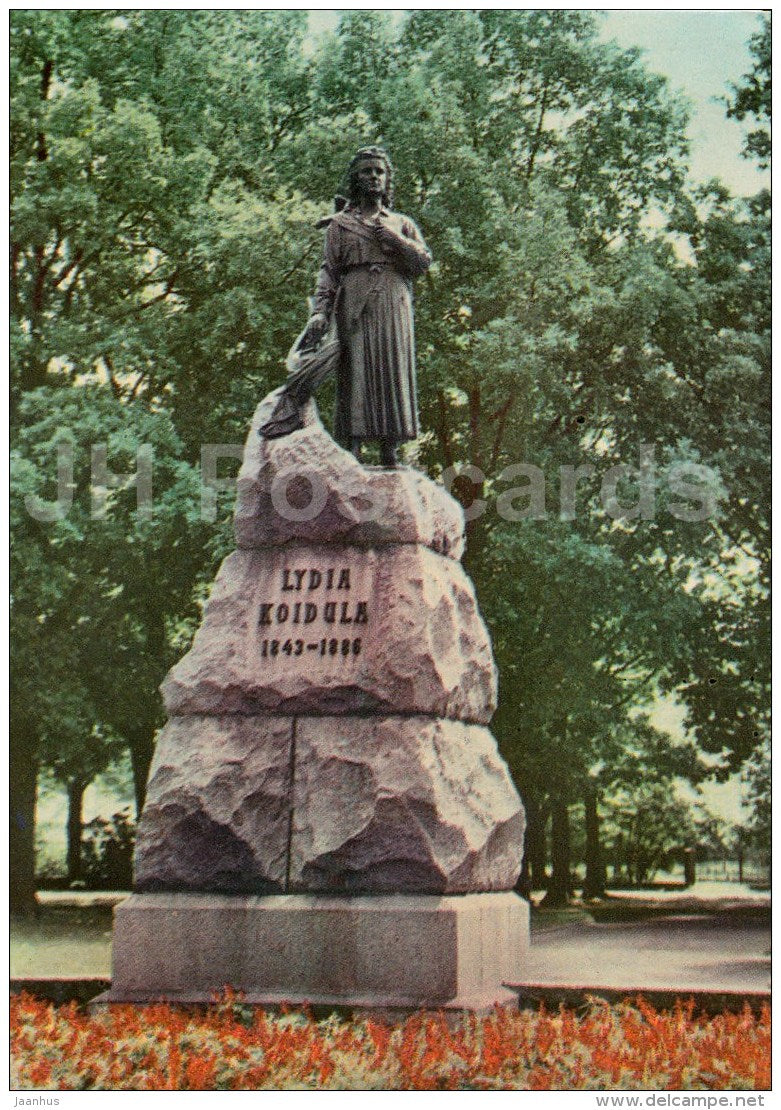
<point x="352" y="176"/>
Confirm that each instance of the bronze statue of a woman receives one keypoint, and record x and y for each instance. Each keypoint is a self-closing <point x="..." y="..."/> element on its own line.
<point x="362" y="326"/>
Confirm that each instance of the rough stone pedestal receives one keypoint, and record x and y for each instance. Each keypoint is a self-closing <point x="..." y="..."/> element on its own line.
<point x="328" y="818"/>
<point x="381" y="952"/>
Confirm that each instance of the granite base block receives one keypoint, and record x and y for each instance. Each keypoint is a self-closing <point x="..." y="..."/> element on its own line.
<point x="387" y="952"/>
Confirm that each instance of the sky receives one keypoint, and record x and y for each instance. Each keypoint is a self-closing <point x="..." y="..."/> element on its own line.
<point x="701" y="52"/>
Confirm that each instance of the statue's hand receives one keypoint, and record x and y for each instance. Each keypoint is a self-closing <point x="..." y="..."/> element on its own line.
<point x="389" y="240"/>
<point x="315" y="330"/>
<point x="415" y="257"/>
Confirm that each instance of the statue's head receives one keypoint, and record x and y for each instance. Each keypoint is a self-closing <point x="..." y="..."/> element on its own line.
<point x="364" y="156"/>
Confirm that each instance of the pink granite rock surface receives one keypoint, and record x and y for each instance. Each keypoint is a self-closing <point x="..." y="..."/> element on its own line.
<point x="354" y="504"/>
<point x="327" y="727"/>
<point x="413" y="804"/>
<point x="409" y="637"/>
<point x="328" y="804"/>
<point x="217" y="810"/>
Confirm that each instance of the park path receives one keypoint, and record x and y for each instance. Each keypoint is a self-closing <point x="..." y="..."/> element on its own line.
<point x="714" y="936"/>
<point x="697" y="952"/>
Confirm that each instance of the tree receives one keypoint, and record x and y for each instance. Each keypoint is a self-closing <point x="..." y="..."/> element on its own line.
<point x="127" y="173"/>
<point x="128" y="196"/>
<point x="645" y="758"/>
<point x="98" y="588"/>
<point x="758" y="777"/>
<point x="646" y="827"/>
<point x="753" y="97"/>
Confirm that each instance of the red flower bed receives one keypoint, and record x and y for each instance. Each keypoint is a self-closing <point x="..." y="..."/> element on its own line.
<point x="234" y="1047"/>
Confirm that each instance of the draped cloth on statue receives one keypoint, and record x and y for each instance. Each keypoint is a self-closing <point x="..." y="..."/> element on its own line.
<point x="307" y="369"/>
<point x="366" y="294"/>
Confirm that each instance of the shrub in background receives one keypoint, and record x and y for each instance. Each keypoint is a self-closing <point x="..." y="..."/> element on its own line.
<point x="107" y="852"/>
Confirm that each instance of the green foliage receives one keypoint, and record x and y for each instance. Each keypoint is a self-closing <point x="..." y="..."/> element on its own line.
<point x="97" y="588"/>
<point x="107" y="852"/>
<point x="754" y="96"/>
<point x="645" y="828"/>
<point x="759" y="779"/>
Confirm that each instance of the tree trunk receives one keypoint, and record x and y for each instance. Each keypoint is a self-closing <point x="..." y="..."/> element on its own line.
<point x="476" y="530"/>
<point x="596" y="876"/>
<point x="538" y="849"/>
<point x="142" y="749"/>
<point x="524" y="884"/>
<point x="76" y="788"/>
<point x="560" y="884"/>
<point x="23" y="784"/>
<point x="620" y="871"/>
<point x="634" y="851"/>
<point x="689" y="867"/>
<point x="533" y="873"/>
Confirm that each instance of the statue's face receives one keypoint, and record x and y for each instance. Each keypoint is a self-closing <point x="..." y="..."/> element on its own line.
<point x="371" y="176"/>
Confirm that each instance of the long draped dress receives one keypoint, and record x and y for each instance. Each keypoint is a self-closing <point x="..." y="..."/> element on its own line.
<point x="369" y="290"/>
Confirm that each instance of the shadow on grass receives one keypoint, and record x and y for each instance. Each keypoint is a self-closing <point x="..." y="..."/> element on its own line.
<point x="58" y="921"/>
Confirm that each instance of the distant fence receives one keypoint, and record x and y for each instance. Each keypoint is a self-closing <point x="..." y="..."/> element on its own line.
<point x="731" y="871"/>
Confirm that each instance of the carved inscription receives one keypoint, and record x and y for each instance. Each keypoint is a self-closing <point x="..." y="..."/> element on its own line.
<point x="313" y="615"/>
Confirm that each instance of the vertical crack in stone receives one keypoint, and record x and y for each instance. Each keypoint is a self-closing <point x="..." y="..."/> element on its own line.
<point x="291" y="808"/>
